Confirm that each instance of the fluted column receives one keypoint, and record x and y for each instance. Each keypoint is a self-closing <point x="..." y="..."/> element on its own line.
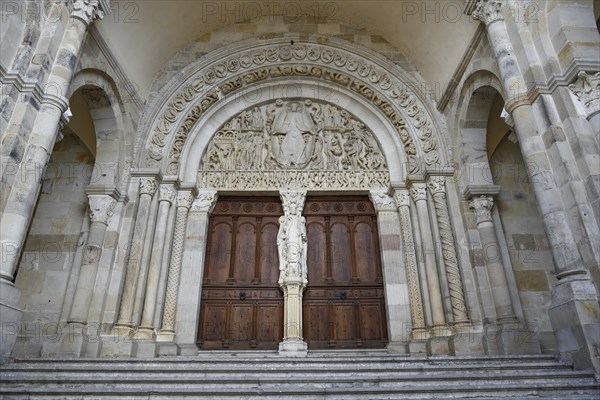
<point x="165" y="199"/>
<point x="167" y="330"/>
<point x="437" y="187"/>
<point x="23" y="181"/>
<point x="147" y="189"/>
<point x="101" y="209"/>
<point x="292" y="247"/>
<point x="419" y="329"/>
<point x="491" y="249"/>
<point x="418" y="192"/>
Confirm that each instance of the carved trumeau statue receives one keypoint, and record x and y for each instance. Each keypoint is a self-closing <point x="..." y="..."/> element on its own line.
<point x="296" y="143"/>
<point x="292" y="240"/>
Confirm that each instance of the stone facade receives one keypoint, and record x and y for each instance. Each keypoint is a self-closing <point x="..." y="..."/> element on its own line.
<point x="488" y="232"/>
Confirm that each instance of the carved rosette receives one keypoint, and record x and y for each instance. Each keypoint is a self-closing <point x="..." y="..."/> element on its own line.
<point x="90" y="10"/>
<point x="205" y="202"/>
<point x="437" y="187"/>
<point x="148" y="186"/>
<point x="402" y="198"/>
<point x="292" y="241"/>
<point x="488" y="11"/>
<point x="371" y="81"/>
<point x="167" y="193"/>
<point x="382" y="201"/>
<point x="587" y="90"/>
<point x="101" y="208"/>
<point x="483" y="208"/>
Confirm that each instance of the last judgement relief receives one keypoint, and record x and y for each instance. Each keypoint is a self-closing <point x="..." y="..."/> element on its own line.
<point x="301" y="141"/>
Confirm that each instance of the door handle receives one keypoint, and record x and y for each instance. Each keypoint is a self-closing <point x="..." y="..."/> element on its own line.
<point x="343" y="295"/>
<point x="242" y="295"/>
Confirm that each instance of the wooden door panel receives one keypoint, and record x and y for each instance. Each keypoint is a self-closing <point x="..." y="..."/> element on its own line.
<point x="242" y="305"/>
<point x="344" y="303"/>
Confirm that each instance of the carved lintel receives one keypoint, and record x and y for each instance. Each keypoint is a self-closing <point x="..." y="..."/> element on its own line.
<point x="101" y="208"/>
<point x="587" y="89"/>
<point x="483" y="208"/>
<point x="488" y="11"/>
<point x="90" y="10"/>
<point x="382" y="201"/>
<point x="205" y="202"/>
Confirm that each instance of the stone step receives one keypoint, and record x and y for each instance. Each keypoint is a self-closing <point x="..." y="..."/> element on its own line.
<point x="349" y="376"/>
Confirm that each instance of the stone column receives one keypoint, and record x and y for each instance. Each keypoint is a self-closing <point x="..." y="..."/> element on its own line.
<point x="491" y="255"/>
<point x="437" y="187"/>
<point x="292" y="247"/>
<point x="192" y="271"/>
<point x="147" y="188"/>
<point x="398" y="305"/>
<point x="101" y="209"/>
<point x="167" y="331"/>
<point x="574" y="295"/>
<point x="25" y="175"/>
<point x="419" y="329"/>
<point x="418" y="192"/>
<point x="165" y="199"/>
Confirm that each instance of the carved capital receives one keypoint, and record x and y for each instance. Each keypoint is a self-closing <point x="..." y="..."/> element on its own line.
<point x="587" y="89"/>
<point x="488" y="11"/>
<point x="293" y="201"/>
<point x="382" y="201"/>
<point x="185" y="199"/>
<point x="483" y="208"/>
<point x="101" y="208"/>
<point x="418" y="191"/>
<point x="402" y="197"/>
<point x="90" y="10"/>
<point x="437" y="185"/>
<point x="167" y="193"/>
<point x="148" y="186"/>
<point x="205" y="202"/>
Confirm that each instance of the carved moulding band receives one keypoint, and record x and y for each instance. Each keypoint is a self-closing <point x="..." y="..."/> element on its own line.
<point x="275" y="61"/>
<point x="299" y="143"/>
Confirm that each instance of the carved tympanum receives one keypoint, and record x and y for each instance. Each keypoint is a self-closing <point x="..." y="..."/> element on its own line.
<point x="295" y="142"/>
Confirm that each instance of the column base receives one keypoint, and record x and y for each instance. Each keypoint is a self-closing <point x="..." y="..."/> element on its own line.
<point x="167" y="349"/>
<point x="466" y="340"/>
<point x="418" y="347"/>
<point x="293" y="348"/>
<point x="115" y="346"/>
<point x="122" y="330"/>
<point x="517" y="339"/>
<point x="146" y="349"/>
<point x="165" y="336"/>
<point x="397" y="348"/>
<point x="575" y="318"/>
<point x="10" y="319"/>
<point x="145" y="333"/>
<point x="74" y="342"/>
<point x="438" y="346"/>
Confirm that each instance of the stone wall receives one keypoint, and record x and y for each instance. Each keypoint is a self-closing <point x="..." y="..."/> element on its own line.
<point x="55" y="240"/>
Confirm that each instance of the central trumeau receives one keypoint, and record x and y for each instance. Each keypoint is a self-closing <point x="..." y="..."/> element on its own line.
<point x="299" y="141"/>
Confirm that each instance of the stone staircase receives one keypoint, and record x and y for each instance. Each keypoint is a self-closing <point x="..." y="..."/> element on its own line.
<point x="344" y="375"/>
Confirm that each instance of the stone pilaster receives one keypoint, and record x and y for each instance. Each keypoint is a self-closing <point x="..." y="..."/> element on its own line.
<point x="292" y="248"/>
<point x="166" y="197"/>
<point x="167" y="330"/>
<point x="192" y="271"/>
<point x="575" y="340"/>
<point x="124" y="326"/>
<point x="394" y="272"/>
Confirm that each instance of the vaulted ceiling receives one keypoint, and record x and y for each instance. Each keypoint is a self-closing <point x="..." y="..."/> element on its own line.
<point x="144" y="35"/>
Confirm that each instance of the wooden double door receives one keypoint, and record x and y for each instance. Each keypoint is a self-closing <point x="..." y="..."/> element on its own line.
<point x="242" y="304"/>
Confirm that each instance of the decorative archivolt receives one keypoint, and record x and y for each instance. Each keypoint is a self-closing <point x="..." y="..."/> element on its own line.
<point x="208" y="86"/>
<point x="297" y="143"/>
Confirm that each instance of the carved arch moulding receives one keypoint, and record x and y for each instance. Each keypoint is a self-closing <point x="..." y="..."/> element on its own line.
<point x="172" y="120"/>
